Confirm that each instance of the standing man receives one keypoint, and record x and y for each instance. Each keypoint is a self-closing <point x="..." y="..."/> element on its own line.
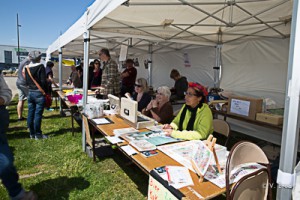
<point x="128" y="77"/>
<point x="74" y="79"/>
<point x="22" y="88"/>
<point x="110" y="74"/>
<point x="180" y="86"/>
<point x="8" y="172"/>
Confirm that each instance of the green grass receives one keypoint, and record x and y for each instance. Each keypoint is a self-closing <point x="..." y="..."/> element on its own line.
<point x="57" y="168"/>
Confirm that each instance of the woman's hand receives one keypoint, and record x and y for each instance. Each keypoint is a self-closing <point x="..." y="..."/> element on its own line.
<point x="167" y="126"/>
<point x="168" y="132"/>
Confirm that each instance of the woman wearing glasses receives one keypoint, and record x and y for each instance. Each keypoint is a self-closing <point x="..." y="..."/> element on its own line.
<point x="97" y="74"/>
<point x="194" y="121"/>
<point x="141" y="93"/>
<point x="160" y="108"/>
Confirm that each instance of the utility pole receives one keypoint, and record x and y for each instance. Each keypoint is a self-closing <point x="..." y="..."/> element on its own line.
<point x="18" y="25"/>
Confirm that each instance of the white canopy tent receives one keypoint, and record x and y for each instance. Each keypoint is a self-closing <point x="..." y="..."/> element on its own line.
<point x="251" y="35"/>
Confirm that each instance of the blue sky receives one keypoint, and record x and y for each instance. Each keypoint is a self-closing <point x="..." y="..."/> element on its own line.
<point x="41" y="21"/>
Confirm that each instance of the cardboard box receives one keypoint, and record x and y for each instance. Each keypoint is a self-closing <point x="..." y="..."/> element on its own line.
<point x="246" y="107"/>
<point x="269" y="118"/>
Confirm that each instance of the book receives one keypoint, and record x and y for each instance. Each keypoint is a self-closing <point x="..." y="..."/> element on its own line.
<point x="142" y="145"/>
<point x="149" y="153"/>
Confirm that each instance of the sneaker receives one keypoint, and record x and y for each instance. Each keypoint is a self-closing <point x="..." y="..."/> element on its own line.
<point x="40" y="137"/>
<point x="32" y="136"/>
<point x="30" y="195"/>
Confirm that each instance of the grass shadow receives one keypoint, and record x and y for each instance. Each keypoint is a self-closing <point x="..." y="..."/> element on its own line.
<point x="132" y="170"/>
<point x="63" y="131"/>
<point x="59" y="188"/>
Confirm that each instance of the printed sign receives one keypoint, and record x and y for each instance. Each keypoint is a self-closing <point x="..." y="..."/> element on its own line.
<point x="240" y="107"/>
<point x="156" y="191"/>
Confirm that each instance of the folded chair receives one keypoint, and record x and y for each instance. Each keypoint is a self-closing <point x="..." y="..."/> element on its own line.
<point x="223" y="128"/>
<point x="246" y="152"/>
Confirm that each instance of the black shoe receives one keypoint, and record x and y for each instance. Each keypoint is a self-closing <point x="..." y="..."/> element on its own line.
<point x="21" y="119"/>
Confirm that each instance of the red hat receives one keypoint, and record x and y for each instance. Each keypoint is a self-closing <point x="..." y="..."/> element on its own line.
<point x="198" y="87"/>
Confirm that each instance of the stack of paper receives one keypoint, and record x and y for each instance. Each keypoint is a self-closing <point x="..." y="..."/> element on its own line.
<point x="121" y="131"/>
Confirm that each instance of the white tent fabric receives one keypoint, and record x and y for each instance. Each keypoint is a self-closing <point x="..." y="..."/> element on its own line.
<point x="257" y="68"/>
<point x="202" y="61"/>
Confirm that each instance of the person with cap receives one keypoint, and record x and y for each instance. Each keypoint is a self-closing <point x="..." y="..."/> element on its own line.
<point x="8" y="172"/>
<point x="128" y="77"/>
<point x="194" y="120"/>
<point x="180" y="86"/>
<point x="110" y="74"/>
<point x="36" y="99"/>
<point x="22" y="88"/>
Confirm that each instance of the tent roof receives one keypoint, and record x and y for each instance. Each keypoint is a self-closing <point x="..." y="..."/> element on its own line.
<point x="175" y="24"/>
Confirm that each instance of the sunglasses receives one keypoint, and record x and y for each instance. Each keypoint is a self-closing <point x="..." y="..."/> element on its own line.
<point x="189" y="94"/>
<point x="137" y="85"/>
<point x="97" y="63"/>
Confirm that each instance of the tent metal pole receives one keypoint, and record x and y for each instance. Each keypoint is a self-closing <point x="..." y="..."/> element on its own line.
<point x="289" y="143"/>
<point x="217" y="67"/>
<point x="60" y="75"/>
<point x="86" y="40"/>
<point x="149" y="63"/>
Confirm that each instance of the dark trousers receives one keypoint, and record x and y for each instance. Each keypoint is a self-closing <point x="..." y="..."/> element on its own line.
<point x="8" y="172"/>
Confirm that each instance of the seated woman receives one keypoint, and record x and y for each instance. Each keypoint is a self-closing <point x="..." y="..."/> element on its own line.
<point x="194" y="121"/>
<point x="160" y="108"/>
<point x="141" y="93"/>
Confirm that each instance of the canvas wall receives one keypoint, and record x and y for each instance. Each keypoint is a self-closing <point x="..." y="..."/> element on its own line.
<point x="257" y="68"/>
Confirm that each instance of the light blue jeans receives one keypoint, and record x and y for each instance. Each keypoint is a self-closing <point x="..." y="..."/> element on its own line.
<point x="36" y="103"/>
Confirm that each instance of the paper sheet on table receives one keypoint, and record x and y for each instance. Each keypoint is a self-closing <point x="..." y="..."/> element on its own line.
<point x="129" y="150"/>
<point x="118" y="132"/>
<point x="179" y="176"/>
<point x="114" y="139"/>
<point x="99" y="121"/>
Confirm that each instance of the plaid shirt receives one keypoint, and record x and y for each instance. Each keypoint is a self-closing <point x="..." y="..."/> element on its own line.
<point x="111" y="78"/>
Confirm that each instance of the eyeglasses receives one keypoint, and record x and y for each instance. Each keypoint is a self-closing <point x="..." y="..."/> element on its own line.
<point x="137" y="85"/>
<point x="189" y="94"/>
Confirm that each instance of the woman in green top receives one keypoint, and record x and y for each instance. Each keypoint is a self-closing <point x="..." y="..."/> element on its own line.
<point x="194" y="121"/>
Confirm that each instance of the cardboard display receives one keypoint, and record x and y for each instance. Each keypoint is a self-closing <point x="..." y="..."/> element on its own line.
<point x="269" y="118"/>
<point x="246" y="107"/>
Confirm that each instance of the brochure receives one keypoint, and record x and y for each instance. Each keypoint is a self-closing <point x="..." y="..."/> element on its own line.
<point x="142" y="145"/>
<point x="201" y="158"/>
<point x="149" y="153"/>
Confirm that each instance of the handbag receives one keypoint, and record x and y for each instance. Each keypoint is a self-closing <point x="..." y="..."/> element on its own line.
<point x="48" y="98"/>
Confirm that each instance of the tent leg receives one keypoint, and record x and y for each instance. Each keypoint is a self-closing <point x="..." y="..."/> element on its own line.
<point x="86" y="41"/>
<point x="289" y="143"/>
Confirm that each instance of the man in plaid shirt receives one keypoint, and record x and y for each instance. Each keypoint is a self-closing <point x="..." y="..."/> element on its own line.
<point x="110" y="74"/>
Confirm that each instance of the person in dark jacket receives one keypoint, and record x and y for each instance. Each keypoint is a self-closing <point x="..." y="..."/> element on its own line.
<point x="96" y="74"/>
<point x="36" y="99"/>
<point x="181" y="85"/>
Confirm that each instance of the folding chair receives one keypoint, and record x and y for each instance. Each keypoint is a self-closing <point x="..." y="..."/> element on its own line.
<point x="252" y="186"/>
<point x="245" y="152"/>
<point x="223" y="128"/>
